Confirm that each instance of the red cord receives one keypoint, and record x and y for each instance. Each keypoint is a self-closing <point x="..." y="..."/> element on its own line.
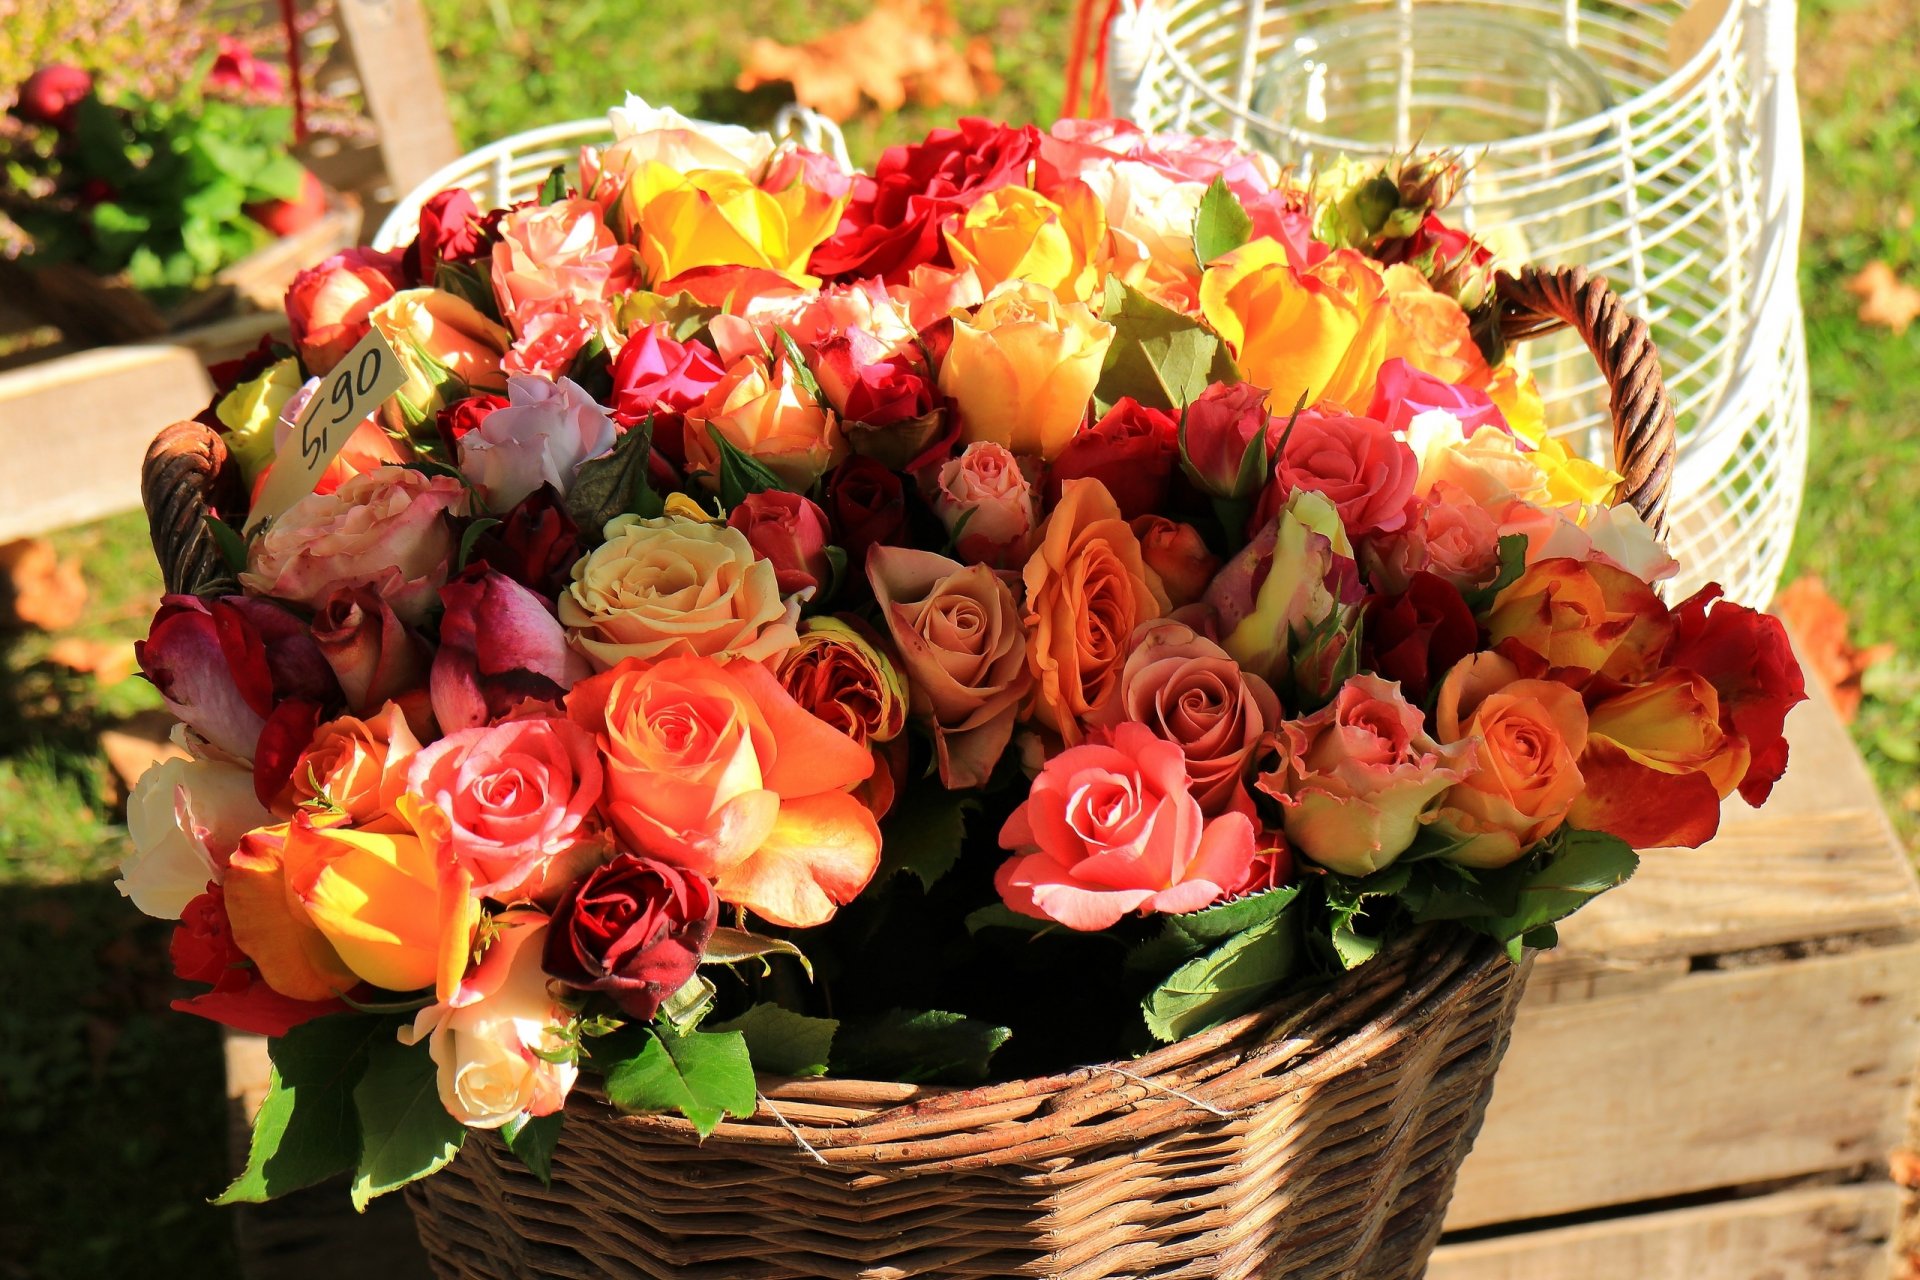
<point x="293" y="70"/>
<point x="1077" y="55"/>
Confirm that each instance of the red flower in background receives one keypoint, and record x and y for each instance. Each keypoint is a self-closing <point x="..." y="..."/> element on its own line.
<point x="52" y="94"/>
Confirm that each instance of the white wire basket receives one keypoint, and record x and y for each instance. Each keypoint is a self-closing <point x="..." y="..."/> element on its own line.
<point x="1655" y="142"/>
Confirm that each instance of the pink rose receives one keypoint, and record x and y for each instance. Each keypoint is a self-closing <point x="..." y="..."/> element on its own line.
<point x="1113" y="827"/>
<point x="1404" y="392"/>
<point x="508" y="799"/>
<point x="376" y="657"/>
<point x="1131" y="450"/>
<point x="1446" y="534"/>
<point x="544" y="433"/>
<point x="329" y="307"/>
<point x="550" y="335"/>
<point x="1216" y="434"/>
<point x="865" y="383"/>
<point x="791" y="533"/>
<point x="1357" y="777"/>
<point x="654" y="374"/>
<point x="1358" y="463"/>
<point x="500" y="646"/>
<point x="387" y="529"/>
<point x="987" y="505"/>
<point x="559" y="250"/>
<point x="1179" y="555"/>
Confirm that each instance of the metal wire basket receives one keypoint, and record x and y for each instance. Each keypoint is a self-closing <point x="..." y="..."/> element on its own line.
<point x="1655" y="142"/>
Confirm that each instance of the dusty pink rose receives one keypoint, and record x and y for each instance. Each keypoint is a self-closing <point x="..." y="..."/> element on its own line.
<point x="987" y="504"/>
<point x="1190" y="692"/>
<point x="500" y="646"/>
<point x="508" y="799"/>
<point x="1357" y="777"/>
<point x="328" y="306"/>
<point x="376" y="657"/>
<point x="791" y="533"/>
<point x="1446" y="534"/>
<point x="542" y="435"/>
<point x="562" y="249"/>
<point x="1113" y="827"/>
<point x="1179" y="555"/>
<point x="387" y="529"/>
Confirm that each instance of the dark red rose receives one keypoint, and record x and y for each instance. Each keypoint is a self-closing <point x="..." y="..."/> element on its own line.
<point x="464" y="415"/>
<point x="1745" y="656"/>
<point x="449" y="232"/>
<point x="376" y="657"/>
<point x="654" y="374"/>
<point x="789" y="532"/>
<point x="535" y="544"/>
<point x="635" y="929"/>
<point x="1359" y="464"/>
<point x="1132" y="450"/>
<point x="203" y="950"/>
<point x="52" y="94"/>
<point x="1417" y="636"/>
<point x="894" y="221"/>
<point x="867" y="504"/>
<point x="500" y="646"/>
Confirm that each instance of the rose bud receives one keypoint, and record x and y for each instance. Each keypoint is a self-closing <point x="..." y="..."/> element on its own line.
<point x="987" y="505"/>
<point x="53" y="94"/>
<point x="864" y="384"/>
<point x="1296" y="578"/>
<point x="449" y="232"/>
<point x="790" y="532"/>
<point x="868" y="506"/>
<point x="1223" y="440"/>
<point x="376" y="657"/>
<point x="536" y="544"/>
<point x="1179" y="555"/>
<point x="635" y="929"/>
<point x="500" y="645"/>
<point x="462" y="416"/>
<point x="1131" y="450"/>
<point x="656" y="375"/>
<point x="1403" y="393"/>
<point x="839" y="673"/>
<point x="1416" y="637"/>
<point x="330" y="307"/>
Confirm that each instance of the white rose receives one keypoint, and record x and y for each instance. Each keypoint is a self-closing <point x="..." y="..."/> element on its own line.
<point x="541" y="436"/>
<point x="184" y="818"/>
<point x="648" y="132"/>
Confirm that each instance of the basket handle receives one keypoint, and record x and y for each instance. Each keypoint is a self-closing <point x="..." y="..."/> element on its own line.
<point x="188" y="473"/>
<point x="1538" y="301"/>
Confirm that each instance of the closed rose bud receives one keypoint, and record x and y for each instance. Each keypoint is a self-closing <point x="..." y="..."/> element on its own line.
<point x="987" y="505"/>
<point x="791" y="533"/>
<point x="635" y="929"/>
<point x="1223" y="440"/>
<point x="1179" y="555"/>
<point x="376" y="657"/>
<point x="868" y="505"/>
<point x="449" y="232"/>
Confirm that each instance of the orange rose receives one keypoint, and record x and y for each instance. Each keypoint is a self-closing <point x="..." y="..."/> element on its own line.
<point x="766" y="414"/>
<point x="355" y="768"/>
<point x="1087" y="589"/>
<point x="1657" y="763"/>
<point x="1179" y="555"/>
<point x="1016" y="233"/>
<point x="1584" y="617"/>
<point x="1528" y="735"/>
<point x="1429" y="329"/>
<point x="1319" y="333"/>
<point x="290" y="953"/>
<point x="717" y="769"/>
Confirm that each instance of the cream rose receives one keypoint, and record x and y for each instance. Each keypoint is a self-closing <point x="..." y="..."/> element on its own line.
<point x="184" y="818"/>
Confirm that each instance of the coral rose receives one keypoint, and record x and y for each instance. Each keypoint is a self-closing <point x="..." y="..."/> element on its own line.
<point x="1359" y="464"/>
<point x="1528" y="736"/>
<point x="355" y="769"/>
<point x="987" y="504"/>
<point x="330" y="307"/>
<point x="544" y="252"/>
<point x="1446" y="534"/>
<point x="791" y="533"/>
<point x="1113" y="827"/>
<point x="1022" y="368"/>
<point x="671" y="587"/>
<point x="1658" y="763"/>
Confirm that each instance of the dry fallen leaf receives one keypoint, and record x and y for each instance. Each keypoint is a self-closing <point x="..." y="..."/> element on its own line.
<point x="39" y="589"/>
<point x="111" y="661"/>
<point x="135" y="744"/>
<point x="1903" y="1166"/>
<point x="1819" y="623"/>
<point x="902" y="49"/>
<point x="1884" y="300"/>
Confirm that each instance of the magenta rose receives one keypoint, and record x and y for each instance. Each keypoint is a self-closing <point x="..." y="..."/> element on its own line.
<point x="500" y="646"/>
<point x="1132" y="450"/>
<point x="1416" y="636"/>
<point x="1220" y="427"/>
<point x="509" y="798"/>
<point x="449" y="232"/>
<point x="329" y="307"/>
<point x="1359" y="464"/>
<point x="635" y="929"/>
<point x="987" y="505"/>
<point x="376" y="657"/>
<point x="1403" y="393"/>
<point x="52" y="94"/>
<point x="1112" y="827"/>
<point x="789" y="532"/>
<point x="653" y="374"/>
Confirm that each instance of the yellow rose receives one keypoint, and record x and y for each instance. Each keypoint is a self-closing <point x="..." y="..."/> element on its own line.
<point x="1517" y="396"/>
<point x="1022" y="368"/>
<point x="449" y="349"/>
<point x="669" y="587"/>
<point x="1320" y="333"/>
<point x="271" y="925"/>
<point x="251" y="411"/>
<point x="768" y="415"/>
<point x="1493" y="468"/>
<point x="1016" y="233"/>
<point x="717" y="218"/>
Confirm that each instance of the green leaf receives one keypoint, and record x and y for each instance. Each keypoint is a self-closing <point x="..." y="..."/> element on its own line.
<point x="999" y="915"/>
<point x="407" y="1133"/>
<point x="554" y="189"/>
<point x="1513" y="563"/>
<point x="307" y="1130"/>
<point x="533" y="1139"/>
<point x="471" y="536"/>
<point x="1159" y="357"/>
<point x="1229" y="980"/>
<point x="615" y="483"/>
<point x="1348" y="898"/>
<point x="734" y="946"/>
<point x="233" y="548"/>
<point x="1581" y="865"/>
<point x="917" y="1047"/>
<point x="924" y="832"/>
<point x="740" y="472"/>
<point x="1184" y="936"/>
<point x="1221" y="225"/>
<point x="783" y="1042"/>
<point x="687" y="1006"/>
<point x="469" y="282"/>
<point x="703" y="1076"/>
<point x="801" y="373"/>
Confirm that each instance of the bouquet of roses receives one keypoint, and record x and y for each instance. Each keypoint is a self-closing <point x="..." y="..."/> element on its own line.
<point x="1056" y="591"/>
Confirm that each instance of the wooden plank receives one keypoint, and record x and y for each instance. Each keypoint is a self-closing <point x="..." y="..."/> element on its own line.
<point x="1713" y="1080"/>
<point x="400" y="78"/>
<point x="1816" y="1233"/>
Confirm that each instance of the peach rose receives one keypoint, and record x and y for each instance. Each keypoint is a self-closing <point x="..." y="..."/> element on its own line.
<point x="449" y="349"/>
<point x="1179" y="555"/>
<point x="1357" y="777"/>
<point x="1429" y="330"/>
<point x="987" y="504"/>
<point x="958" y="633"/>
<point x="1015" y="233"/>
<point x="387" y="529"/>
<point x="1113" y="827"/>
<point x="1528" y="736"/>
<point x="1449" y="536"/>
<point x="672" y="587"/>
<point x="1658" y="763"/>
<point x="1317" y="333"/>
<point x="1583" y="617"/>
<point x="562" y="250"/>
<point x="1022" y="368"/>
<point x="328" y="306"/>
<point x="355" y="770"/>
<point x="1190" y="692"/>
<point x="769" y="415"/>
<point x="717" y="769"/>
<point x="1087" y="589"/>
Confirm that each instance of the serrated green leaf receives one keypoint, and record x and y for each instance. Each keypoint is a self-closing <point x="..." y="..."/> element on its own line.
<point x="703" y="1076"/>
<point x="783" y="1042"/>
<point x="1158" y="356"/>
<point x="1221" y="224"/>
<point x="406" y="1132"/>
<point x="924" y="833"/>
<point x="1184" y="936"/>
<point x="740" y="472"/>
<point x="615" y="483"/>
<point x="1229" y="980"/>
<point x="1581" y="865"/>
<point x="307" y="1129"/>
<point x="533" y="1139"/>
<point x="917" y="1047"/>
<point x="734" y="946"/>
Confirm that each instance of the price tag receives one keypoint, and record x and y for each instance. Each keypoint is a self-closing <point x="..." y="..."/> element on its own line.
<point x="356" y="387"/>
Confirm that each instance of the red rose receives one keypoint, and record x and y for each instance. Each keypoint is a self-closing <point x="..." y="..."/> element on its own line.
<point x="1131" y="450"/>
<point x="500" y="645"/>
<point x="656" y="375"/>
<point x="462" y="416"/>
<point x="879" y="394"/>
<point x="203" y="950"/>
<point x="1358" y="463"/>
<point x="1404" y="392"/>
<point x="789" y="532"/>
<point x="868" y="505"/>
<point x="328" y="306"/>
<point x="1417" y="636"/>
<point x="449" y="232"/>
<point x="535" y="544"/>
<point x="1745" y="656"/>
<point x="52" y="94"/>
<point x="893" y="222"/>
<point x="634" y="928"/>
<point x="1220" y="427"/>
<point x="376" y="657"/>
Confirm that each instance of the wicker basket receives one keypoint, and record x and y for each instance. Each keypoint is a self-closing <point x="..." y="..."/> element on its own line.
<point x="1315" y="1140"/>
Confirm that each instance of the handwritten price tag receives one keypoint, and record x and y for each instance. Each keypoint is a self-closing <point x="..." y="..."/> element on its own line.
<point x="356" y="387"/>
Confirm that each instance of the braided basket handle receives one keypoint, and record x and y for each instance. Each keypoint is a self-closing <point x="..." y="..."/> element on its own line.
<point x="1538" y="301"/>
<point x="187" y="475"/>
